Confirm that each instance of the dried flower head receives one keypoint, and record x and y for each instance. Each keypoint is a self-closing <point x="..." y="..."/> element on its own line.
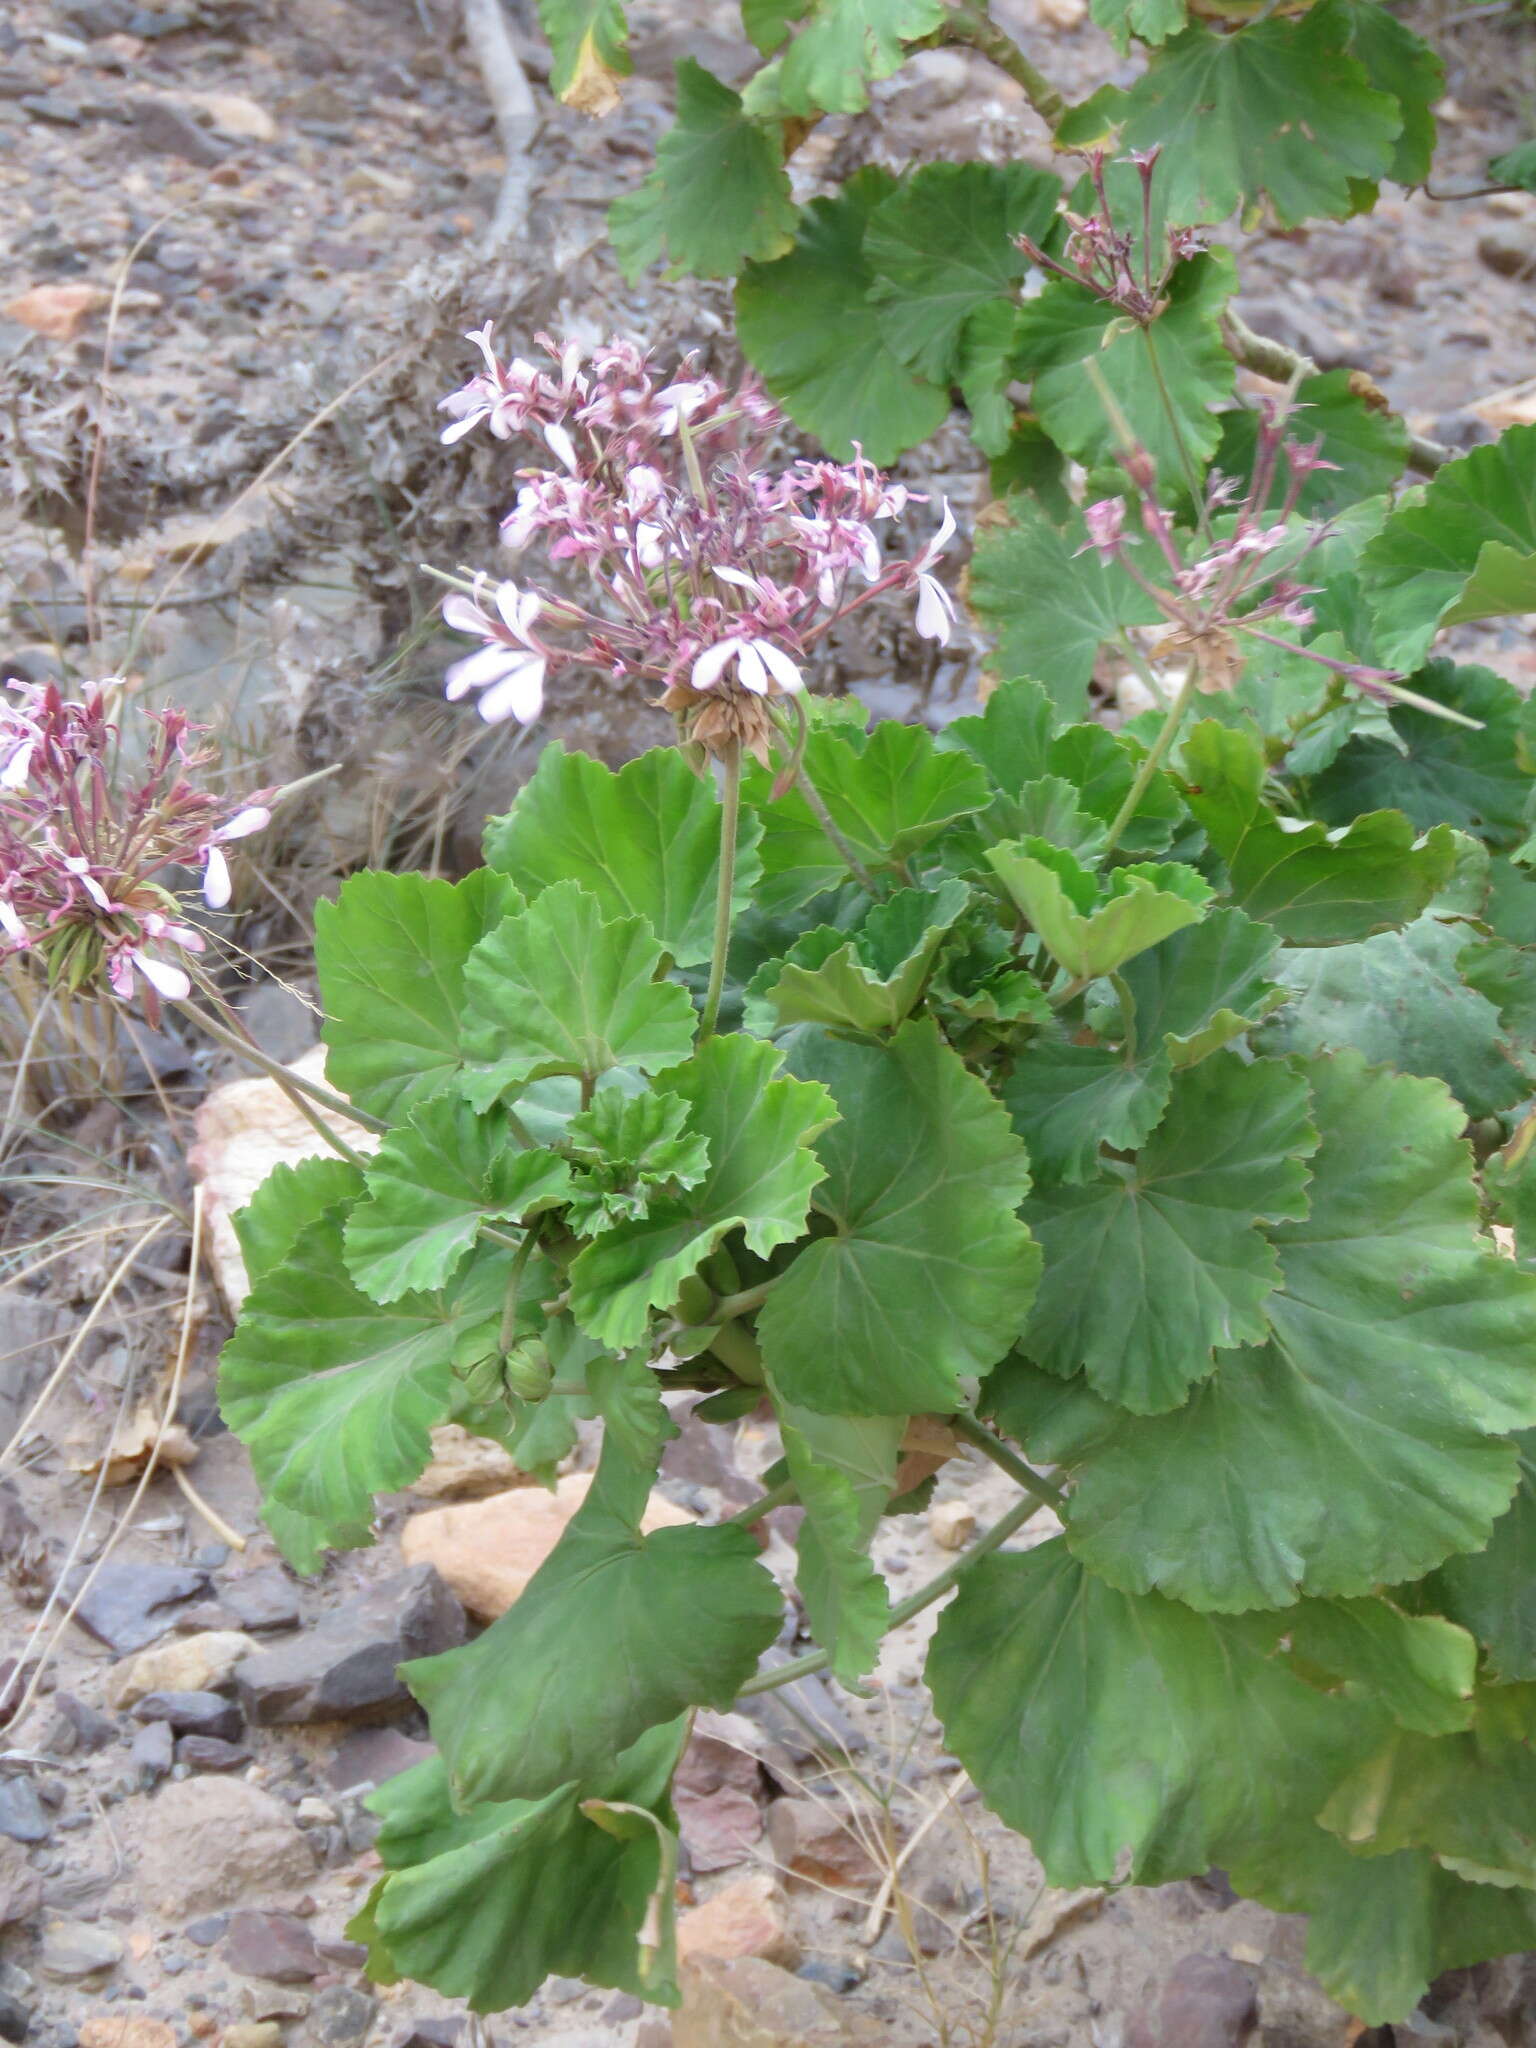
<point x="89" y="851"/>
<point x="714" y="575"/>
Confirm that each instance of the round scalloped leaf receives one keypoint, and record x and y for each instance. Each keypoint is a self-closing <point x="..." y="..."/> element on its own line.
<point x="589" y="41"/>
<point x="1493" y="1592"/>
<point x="843" y="47"/>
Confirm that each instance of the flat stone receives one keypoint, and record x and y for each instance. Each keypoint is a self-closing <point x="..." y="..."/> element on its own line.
<point x="1203" y="2002"/>
<point x="128" y="1605"/>
<point x="747" y="2003"/>
<point x="208" y="1930"/>
<point x="209" y="1842"/>
<point x="73" y="1949"/>
<point x="340" y="2017"/>
<point x="21" y="1888"/>
<point x="276" y="1946"/>
<point x="45" y="106"/>
<point x="168" y="130"/>
<point x="348" y="1663"/>
<point x="126" y="2030"/>
<point x="92" y="1731"/>
<point x="192" y="1713"/>
<point x="488" y="1550"/>
<point x="153" y="1750"/>
<point x="372" y="1756"/>
<point x="211" y="1753"/>
<point x="816" y="1844"/>
<point x="747" y="1918"/>
<point x="466" y="1467"/>
<point x="718" y="1828"/>
<point x="262" y="1600"/>
<point x="22" y="1814"/>
<point x="200" y="1663"/>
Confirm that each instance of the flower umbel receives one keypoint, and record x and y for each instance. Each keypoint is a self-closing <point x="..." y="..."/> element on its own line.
<point x="85" y="851"/>
<point x="715" y="575"/>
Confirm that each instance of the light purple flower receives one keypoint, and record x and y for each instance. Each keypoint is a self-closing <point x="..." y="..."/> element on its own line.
<point x="935" y="606"/>
<point x="758" y="664"/>
<point x="217" y="885"/>
<point x="1105" y="522"/>
<point x="509" y="669"/>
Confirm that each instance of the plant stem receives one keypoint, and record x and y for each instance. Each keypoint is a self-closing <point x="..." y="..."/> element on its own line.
<point x="817" y="1660"/>
<point x="245" y="1048"/>
<point x="1006" y="1459"/>
<point x="781" y="1496"/>
<point x="727" y="1306"/>
<point x="730" y="818"/>
<point x="974" y="26"/>
<point x="509" y="1302"/>
<point x="1284" y="365"/>
<point x="737" y="1350"/>
<point x="823" y="816"/>
<point x="1154" y="759"/>
<point x="298" y="1092"/>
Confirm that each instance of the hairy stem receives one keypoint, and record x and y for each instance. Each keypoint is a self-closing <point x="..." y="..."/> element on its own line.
<point x="302" y="1094"/>
<point x="973" y="26"/>
<point x="818" y="1660"/>
<point x="1282" y="365"/>
<point x="784" y="1495"/>
<point x="1006" y="1459"/>
<point x="730" y="818"/>
<point x="1154" y="759"/>
<point x="823" y="816"/>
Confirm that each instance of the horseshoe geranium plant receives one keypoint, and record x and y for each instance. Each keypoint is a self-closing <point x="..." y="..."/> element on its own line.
<point x="1133" y="1108"/>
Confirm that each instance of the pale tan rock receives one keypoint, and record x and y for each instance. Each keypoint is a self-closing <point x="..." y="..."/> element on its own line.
<point x="466" y="1467"/>
<point x="207" y="1842"/>
<point x="951" y="1524"/>
<point x="818" y="1843"/>
<point x="125" y="2030"/>
<point x="488" y="1550"/>
<point x="244" y="1129"/>
<point x="200" y="1663"/>
<point x="252" y="2034"/>
<point x="1062" y="13"/>
<point x="747" y="1918"/>
<point x="747" y="2003"/>
<point x="57" y="311"/>
<point x="232" y="113"/>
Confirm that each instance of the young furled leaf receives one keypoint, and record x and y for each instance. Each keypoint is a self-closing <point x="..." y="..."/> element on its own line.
<point x="807" y="326"/>
<point x="1089" y="924"/>
<point x="390" y="954"/>
<point x="1366" y="1442"/>
<point x="759" y="1131"/>
<point x="627" y="1151"/>
<point x="718" y="196"/>
<point x="485" y="1905"/>
<point x="943" y="245"/>
<point x="614" y="1634"/>
<point x="643" y="841"/>
<point x="929" y="1273"/>
<point x="867" y="981"/>
<point x="1158" y="1264"/>
<point x="556" y="990"/>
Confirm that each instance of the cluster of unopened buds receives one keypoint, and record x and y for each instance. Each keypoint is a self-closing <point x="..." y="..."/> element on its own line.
<point x="90" y="850"/>
<point x="1113" y="264"/>
<point x="715" y="574"/>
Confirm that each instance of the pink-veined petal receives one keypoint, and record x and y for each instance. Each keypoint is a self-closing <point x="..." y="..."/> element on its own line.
<point x="10" y="921"/>
<point x="519" y="695"/>
<point x="713" y="663"/>
<point x="739" y="577"/>
<point x="478" y="671"/>
<point x="785" y="672"/>
<point x="217" y="886"/>
<point x="120" y="973"/>
<point x="464" y="615"/>
<point x="172" y="982"/>
<point x="936" y="546"/>
<point x="80" y="867"/>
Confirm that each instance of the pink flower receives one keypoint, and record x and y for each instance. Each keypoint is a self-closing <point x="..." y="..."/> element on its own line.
<point x="509" y="669"/>
<point x="759" y="664"/>
<point x="1105" y="522"/>
<point x="217" y="886"/>
<point x="935" y="606"/>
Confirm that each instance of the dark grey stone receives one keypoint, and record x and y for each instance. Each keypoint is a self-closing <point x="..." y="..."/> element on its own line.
<point x="128" y="1605"/>
<point x="340" y="2017"/>
<point x="169" y="130"/>
<point x="211" y="1753"/>
<point x="153" y="1750"/>
<point x="89" y="1731"/>
<point x="22" y="1815"/>
<point x="839" y="1977"/>
<point x="347" y="1664"/>
<point x="372" y="1756"/>
<point x="207" y="1931"/>
<point x="15" y="2018"/>
<point x="265" y="1599"/>
<point x="193" y="1713"/>
<point x="276" y="1946"/>
<point x="1203" y="2002"/>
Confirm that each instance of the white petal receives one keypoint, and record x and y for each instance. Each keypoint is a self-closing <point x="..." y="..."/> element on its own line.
<point x="519" y="696"/>
<point x="481" y="337"/>
<point x="737" y="576"/>
<point x="562" y="444"/>
<point x="254" y="818"/>
<point x="518" y="608"/>
<point x="15" y="771"/>
<point x="460" y="428"/>
<point x="10" y="919"/>
<point x="749" y="667"/>
<point x="169" y="980"/>
<point x="464" y="615"/>
<point x="935" y="547"/>
<point x="479" y="670"/>
<point x="870" y="560"/>
<point x="935" y="610"/>
<point x="120" y="974"/>
<point x="713" y="663"/>
<point x="217" y="886"/>
<point x="785" y="672"/>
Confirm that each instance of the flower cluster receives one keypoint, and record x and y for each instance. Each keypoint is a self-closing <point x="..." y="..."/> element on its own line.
<point x="1106" y="260"/>
<point x="84" y="845"/>
<point x="714" y="574"/>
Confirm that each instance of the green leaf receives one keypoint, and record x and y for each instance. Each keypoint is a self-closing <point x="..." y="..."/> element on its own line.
<point x="1516" y="167"/>
<point x="1067" y="1100"/>
<point x="943" y="245"/>
<point x="1493" y="1593"/>
<point x="1439" y="773"/>
<point x="762" y="1170"/>
<point x="1241" y="119"/>
<point x="1462" y="548"/>
<point x="718" y="196"/>
<point x="1091" y="929"/>
<point x="929" y="1274"/>
<point x="556" y="990"/>
<point x="615" y="1633"/>
<point x="1176" y="365"/>
<point x="1420" y="1668"/>
<point x="844" y="1468"/>
<point x="806" y="325"/>
<point x="1049" y="605"/>
<point x="1157" y="1265"/>
<point x="484" y="1906"/>
<point x="1098" y="1723"/>
<point x="1400" y="63"/>
<point x="629" y="1150"/>
<point x="1368" y="445"/>
<point x="333" y="1395"/>
<point x="1365" y="1443"/>
<point x="1151" y="21"/>
<point x="1399" y="1000"/>
<point x="1317" y="888"/>
<point x="589" y="42"/>
<point x="390" y="954"/>
<point x="843" y="48"/>
<point x="284" y="1206"/>
<point x="1203" y="986"/>
<point x="887" y="799"/>
<point x="644" y="842"/>
<point x="767" y="22"/>
<point x="867" y="982"/>
<point x="983" y="373"/>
